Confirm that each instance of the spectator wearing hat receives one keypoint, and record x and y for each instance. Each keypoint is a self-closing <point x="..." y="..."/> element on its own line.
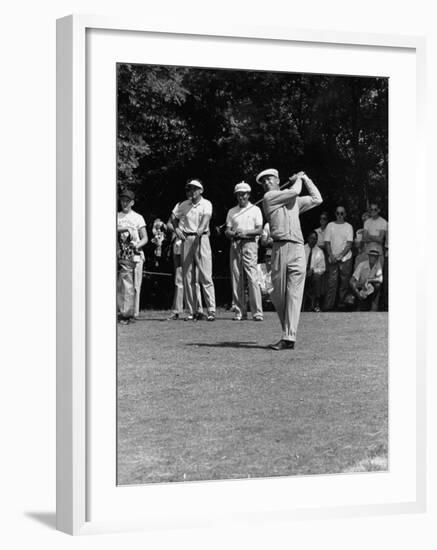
<point x="132" y="236"/>
<point x="366" y="282"/>
<point x="189" y="221"/>
<point x="178" y="299"/>
<point x="375" y="229"/>
<point x="244" y="225"/>
<point x="315" y="262"/>
<point x="339" y="236"/>
<point x="282" y="209"/>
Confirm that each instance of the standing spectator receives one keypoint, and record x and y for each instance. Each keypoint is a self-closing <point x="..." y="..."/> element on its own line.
<point x="131" y="229"/>
<point x="190" y="222"/>
<point x="366" y="282"/>
<point x="320" y="231"/>
<point x="315" y="260"/>
<point x="324" y="217"/>
<point x="339" y="236"/>
<point x="265" y="270"/>
<point x="385" y="273"/>
<point x="359" y="244"/>
<point x="158" y="230"/>
<point x="282" y="209"/>
<point x="267" y="243"/>
<point x="178" y="300"/>
<point x="375" y="229"/>
<point x="244" y="224"/>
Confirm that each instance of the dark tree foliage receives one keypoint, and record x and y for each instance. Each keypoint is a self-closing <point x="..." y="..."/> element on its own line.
<point x="223" y="126"/>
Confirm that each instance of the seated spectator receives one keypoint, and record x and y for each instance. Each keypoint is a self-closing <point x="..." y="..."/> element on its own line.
<point x="315" y="260"/>
<point x="366" y="282"/>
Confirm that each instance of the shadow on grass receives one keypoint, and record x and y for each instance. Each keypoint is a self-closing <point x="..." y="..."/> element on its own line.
<point x="245" y="345"/>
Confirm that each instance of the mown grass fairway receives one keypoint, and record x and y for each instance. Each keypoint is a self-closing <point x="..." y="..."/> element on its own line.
<point x="200" y="401"/>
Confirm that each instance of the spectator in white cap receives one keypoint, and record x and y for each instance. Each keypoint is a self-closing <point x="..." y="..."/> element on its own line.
<point x="178" y="300"/>
<point x="189" y="221"/>
<point x="244" y="224"/>
<point x="282" y="209"/>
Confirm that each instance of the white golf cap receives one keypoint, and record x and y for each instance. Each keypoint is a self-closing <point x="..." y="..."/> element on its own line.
<point x="195" y="183"/>
<point x="268" y="172"/>
<point x="242" y="187"/>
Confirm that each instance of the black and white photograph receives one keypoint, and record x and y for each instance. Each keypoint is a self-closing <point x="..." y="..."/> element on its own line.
<point x="252" y="274"/>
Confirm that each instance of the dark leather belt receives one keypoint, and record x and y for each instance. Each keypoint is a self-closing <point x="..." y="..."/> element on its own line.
<point x="194" y="234"/>
<point x="283" y="241"/>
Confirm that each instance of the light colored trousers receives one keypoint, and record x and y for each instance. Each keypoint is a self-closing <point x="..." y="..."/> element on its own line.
<point x="178" y="301"/>
<point x="196" y="253"/>
<point x="243" y="260"/>
<point x="288" y="280"/>
<point x="130" y="277"/>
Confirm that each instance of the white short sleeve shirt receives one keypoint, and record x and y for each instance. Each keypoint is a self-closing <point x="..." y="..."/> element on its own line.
<point x="373" y="227"/>
<point x="363" y="272"/>
<point x="338" y="234"/>
<point x="132" y="221"/>
<point x="244" y="219"/>
<point x="190" y="215"/>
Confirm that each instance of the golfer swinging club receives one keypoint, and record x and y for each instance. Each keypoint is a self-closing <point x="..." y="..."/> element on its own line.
<point x="282" y="209"/>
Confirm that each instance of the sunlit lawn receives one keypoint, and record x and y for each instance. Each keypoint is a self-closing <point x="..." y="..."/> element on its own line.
<point x="203" y="400"/>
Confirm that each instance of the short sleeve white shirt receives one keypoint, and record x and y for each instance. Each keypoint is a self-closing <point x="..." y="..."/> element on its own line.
<point x="373" y="227"/>
<point x="132" y="221"/>
<point x="338" y="234"/>
<point x="244" y="219"/>
<point x="364" y="272"/>
<point x="190" y="215"/>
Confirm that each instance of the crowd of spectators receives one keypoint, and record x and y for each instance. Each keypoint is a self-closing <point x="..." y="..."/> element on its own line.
<point x="345" y="271"/>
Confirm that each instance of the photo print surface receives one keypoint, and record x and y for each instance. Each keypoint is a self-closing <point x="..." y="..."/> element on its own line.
<point x="252" y="274"/>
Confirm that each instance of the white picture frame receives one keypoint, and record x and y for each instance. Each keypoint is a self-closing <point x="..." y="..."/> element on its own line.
<point x="73" y="211"/>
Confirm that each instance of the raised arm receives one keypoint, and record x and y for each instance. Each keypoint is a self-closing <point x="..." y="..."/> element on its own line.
<point x="282" y="197"/>
<point x="313" y="199"/>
